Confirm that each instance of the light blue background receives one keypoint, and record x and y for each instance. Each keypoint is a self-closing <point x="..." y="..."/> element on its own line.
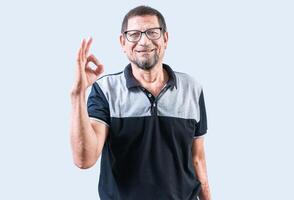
<point x="241" y="51"/>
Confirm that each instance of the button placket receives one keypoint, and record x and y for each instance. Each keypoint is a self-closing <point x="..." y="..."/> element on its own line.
<point x="153" y="100"/>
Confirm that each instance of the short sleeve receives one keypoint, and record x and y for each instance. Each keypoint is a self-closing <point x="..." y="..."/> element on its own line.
<point x="201" y="125"/>
<point x="97" y="105"/>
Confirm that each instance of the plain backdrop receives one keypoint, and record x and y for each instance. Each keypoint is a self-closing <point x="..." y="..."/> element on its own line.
<point x="240" y="51"/>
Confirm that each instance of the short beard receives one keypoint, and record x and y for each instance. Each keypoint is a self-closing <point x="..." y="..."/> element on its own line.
<point x="146" y="64"/>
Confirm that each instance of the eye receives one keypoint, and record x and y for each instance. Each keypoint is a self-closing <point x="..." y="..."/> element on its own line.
<point x="153" y="33"/>
<point x="134" y="34"/>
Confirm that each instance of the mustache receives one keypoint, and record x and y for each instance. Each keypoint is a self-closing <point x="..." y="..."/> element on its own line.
<point x="146" y="47"/>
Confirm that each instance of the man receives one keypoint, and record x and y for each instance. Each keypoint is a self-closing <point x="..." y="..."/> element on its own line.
<point x="147" y="121"/>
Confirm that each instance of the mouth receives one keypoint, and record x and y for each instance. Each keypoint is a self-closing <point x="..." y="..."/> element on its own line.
<point x="144" y="51"/>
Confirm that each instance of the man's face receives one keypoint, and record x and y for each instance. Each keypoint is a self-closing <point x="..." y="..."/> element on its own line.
<point x="145" y="53"/>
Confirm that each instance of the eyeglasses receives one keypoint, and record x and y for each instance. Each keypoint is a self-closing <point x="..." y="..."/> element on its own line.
<point x="135" y="35"/>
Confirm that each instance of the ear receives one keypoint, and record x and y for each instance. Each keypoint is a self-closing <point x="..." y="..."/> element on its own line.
<point x="165" y="39"/>
<point x="122" y="41"/>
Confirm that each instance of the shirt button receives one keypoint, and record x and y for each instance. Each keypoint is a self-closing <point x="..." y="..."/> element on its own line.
<point x="149" y="95"/>
<point x="154" y="104"/>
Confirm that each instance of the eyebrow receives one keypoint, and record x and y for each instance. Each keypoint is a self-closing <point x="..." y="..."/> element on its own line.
<point x="140" y="30"/>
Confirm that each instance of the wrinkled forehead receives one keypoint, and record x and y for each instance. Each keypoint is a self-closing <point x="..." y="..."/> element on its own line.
<point x="142" y="22"/>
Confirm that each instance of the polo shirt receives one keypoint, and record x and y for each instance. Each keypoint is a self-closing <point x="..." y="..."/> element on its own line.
<point x="147" y="154"/>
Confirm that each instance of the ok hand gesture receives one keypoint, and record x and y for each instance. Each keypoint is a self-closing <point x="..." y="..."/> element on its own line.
<point x="85" y="75"/>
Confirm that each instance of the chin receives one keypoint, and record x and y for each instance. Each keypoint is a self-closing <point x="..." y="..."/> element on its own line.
<point x="146" y="66"/>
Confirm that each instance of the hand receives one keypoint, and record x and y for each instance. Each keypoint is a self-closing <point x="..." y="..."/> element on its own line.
<point x="85" y="75"/>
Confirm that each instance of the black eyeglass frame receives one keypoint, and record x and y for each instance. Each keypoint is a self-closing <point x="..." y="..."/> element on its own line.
<point x="141" y="32"/>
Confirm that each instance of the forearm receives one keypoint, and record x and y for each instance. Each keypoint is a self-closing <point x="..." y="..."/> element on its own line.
<point x="83" y="138"/>
<point x="201" y="173"/>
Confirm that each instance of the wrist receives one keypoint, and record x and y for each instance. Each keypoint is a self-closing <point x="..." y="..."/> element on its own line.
<point x="77" y="95"/>
<point x="77" y="91"/>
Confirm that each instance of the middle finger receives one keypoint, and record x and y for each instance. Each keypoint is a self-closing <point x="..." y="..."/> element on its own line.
<point x="88" y="44"/>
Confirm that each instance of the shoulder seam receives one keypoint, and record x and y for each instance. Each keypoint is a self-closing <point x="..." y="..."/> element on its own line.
<point x="106" y="75"/>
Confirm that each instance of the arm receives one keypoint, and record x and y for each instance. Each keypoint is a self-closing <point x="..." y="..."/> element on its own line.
<point x="199" y="163"/>
<point x="87" y="136"/>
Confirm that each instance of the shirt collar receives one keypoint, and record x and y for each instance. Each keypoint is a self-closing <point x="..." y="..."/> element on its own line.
<point x="132" y="82"/>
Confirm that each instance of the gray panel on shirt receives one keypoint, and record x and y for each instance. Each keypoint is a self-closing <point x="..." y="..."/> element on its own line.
<point x="180" y="102"/>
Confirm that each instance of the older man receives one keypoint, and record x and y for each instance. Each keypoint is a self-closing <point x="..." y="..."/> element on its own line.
<point x="148" y="121"/>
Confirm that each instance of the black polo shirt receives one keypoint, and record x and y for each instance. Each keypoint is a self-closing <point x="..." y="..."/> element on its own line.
<point x="147" y="154"/>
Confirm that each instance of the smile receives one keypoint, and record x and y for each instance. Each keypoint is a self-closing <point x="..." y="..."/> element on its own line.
<point x="145" y="51"/>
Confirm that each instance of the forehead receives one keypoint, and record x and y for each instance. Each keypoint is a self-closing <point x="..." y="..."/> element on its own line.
<point x="142" y="22"/>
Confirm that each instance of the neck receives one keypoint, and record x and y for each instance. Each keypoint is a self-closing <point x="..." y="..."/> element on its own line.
<point x="157" y="76"/>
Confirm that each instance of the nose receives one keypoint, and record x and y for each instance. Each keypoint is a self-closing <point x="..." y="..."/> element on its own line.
<point x="144" y="39"/>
